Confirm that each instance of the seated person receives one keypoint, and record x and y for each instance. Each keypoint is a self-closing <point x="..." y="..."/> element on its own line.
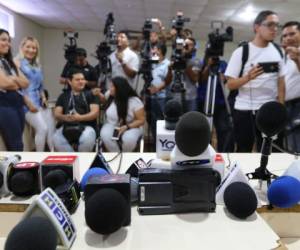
<point x="76" y="111"/>
<point x="125" y="112"/>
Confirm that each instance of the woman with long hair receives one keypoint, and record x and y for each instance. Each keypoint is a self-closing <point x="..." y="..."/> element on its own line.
<point x="12" y="81"/>
<point x="37" y="114"/>
<point x="124" y="113"/>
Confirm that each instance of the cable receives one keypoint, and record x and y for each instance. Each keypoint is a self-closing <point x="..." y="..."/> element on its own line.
<point x="285" y="150"/>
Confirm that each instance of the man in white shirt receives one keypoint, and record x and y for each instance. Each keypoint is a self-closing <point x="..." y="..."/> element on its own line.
<point x="124" y="62"/>
<point x="291" y="40"/>
<point x="255" y="87"/>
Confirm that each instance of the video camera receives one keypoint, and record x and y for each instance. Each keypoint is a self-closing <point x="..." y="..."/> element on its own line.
<point x="70" y="49"/>
<point x="215" y="45"/>
<point x="104" y="49"/>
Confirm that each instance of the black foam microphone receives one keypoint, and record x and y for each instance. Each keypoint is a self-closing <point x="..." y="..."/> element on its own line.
<point x="106" y="211"/>
<point x="271" y="118"/>
<point x="172" y="113"/>
<point x="240" y="199"/>
<point x="23" y="178"/>
<point x="107" y="202"/>
<point x="55" y="178"/>
<point x="32" y="233"/>
<point x="192" y="134"/>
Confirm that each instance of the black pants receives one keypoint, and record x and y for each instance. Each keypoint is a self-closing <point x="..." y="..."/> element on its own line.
<point x="246" y="132"/>
<point x="223" y="126"/>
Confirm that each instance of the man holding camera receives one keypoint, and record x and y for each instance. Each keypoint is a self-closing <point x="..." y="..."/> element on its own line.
<point x="81" y="63"/>
<point x="124" y="62"/>
<point x="77" y="111"/>
<point x="256" y="81"/>
<point x="291" y="40"/>
<point x="189" y="76"/>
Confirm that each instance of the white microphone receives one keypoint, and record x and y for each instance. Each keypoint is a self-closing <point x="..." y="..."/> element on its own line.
<point x="49" y="206"/>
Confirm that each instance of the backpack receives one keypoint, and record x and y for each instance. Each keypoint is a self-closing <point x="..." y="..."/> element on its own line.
<point x="245" y="54"/>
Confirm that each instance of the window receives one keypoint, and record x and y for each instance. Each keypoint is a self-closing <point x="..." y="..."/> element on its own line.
<point x="7" y="22"/>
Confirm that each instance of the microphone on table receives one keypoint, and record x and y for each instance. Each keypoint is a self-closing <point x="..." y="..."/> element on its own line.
<point x="23" y="178"/>
<point x="271" y="118"/>
<point x="165" y="129"/>
<point x="46" y="207"/>
<point x="107" y="203"/>
<point x="90" y="173"/>
<point x="6" y="163"/>
<point x="32" y="234"/>
<point x="284" y="192"/>
<point x="192" y="149"/>
<point x="240" y="199"/>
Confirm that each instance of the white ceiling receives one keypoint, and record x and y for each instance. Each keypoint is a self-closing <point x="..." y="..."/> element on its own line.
<point x="130" y="14"/>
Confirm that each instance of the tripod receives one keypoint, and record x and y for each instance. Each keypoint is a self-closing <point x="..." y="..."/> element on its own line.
<point x="210" y="97"/>
<point x="178" y="90"/>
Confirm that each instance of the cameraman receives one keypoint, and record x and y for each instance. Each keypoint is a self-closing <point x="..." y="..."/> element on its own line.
<point x="124" y="62"/>
<point x="221" y="120"/>
<point x="79" y="109"/>
<point x="82" y="64"/>
<point x="190" y="74"/>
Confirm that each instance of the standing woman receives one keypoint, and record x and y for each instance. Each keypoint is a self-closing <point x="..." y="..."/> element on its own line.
<point x="12" y="81"/>
<point x="36" y="112"/>
<point x="125" y="113"/>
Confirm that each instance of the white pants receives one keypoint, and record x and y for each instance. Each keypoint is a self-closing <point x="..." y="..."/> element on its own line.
<point x="44" y="126"/>
<point x="86" y="141"/>
<point x="128" y="141"/>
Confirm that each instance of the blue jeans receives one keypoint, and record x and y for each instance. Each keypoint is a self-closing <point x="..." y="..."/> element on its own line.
<point x="86" y="141"/>
<point x="12" y="122"/>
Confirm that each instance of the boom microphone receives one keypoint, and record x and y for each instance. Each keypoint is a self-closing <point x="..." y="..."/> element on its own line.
<point x="32" y="234"/>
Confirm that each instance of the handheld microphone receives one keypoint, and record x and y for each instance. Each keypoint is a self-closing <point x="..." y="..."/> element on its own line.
<point x="284" y="192"/>
<point x="240" y="200"/>
<point x="271" y="118"/>
<point x="6" y="163"/>
<point x="23" y="178"/>
<point x="165" y="139"/>
<point x="134" y="168"/>
<point x="89" y="173"/>
<point x="50" y="207"/>
<point x="32" y="233"/>
<point x="107" y="206"/>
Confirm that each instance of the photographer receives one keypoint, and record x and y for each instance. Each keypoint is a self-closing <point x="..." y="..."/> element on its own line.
<point x="124" y="62"/>
<point x="76" y="111"/>
<point x="190" y="74"/>
<point x="255" y="86"/>
<point x="82" y="64"/>
<point x="291" y="40"/>
<point x="220" y="115"/>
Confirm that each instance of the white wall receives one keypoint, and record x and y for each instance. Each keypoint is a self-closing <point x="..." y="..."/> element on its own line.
<point x="24" y="27"/>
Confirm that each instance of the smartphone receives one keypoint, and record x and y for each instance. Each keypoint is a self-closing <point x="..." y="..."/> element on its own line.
<point x="269" y="67"/>
<point x="115" y="135"/>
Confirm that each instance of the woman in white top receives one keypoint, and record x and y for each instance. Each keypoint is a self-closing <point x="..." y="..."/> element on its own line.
<point x="125" y="113"/>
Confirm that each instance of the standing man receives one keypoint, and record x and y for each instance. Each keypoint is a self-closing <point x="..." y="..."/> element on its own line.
<point x="124" y="61"/>
<point x="255" y="87"/>
<point x="291" y="40"/>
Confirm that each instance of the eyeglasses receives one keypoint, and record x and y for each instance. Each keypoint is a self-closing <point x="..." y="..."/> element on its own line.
<point x="271" y="25"/>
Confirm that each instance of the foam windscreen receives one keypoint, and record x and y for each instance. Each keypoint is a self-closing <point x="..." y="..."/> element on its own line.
<point x="91" y="172"/>
<point x="106" y="211"/>
<point x="271" y="118"/>
<point x="35" y="233"/>
<point x="172" y="112"/>
<point x="240" y="199"/>
<point x="192" y="134"/>
<point x="284" y="192"/>
<point x="55" y="178"/>
<point x="22" y="183"/>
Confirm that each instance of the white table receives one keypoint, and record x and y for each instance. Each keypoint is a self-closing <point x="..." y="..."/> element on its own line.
<point x="187" y="231"/>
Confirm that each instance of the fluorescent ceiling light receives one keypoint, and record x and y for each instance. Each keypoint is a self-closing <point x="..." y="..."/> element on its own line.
<point x="7" y="22"/>
<point x="248" y="15"/>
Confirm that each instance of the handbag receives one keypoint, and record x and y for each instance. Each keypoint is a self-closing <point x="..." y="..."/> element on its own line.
<point x="72" y="132"/>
